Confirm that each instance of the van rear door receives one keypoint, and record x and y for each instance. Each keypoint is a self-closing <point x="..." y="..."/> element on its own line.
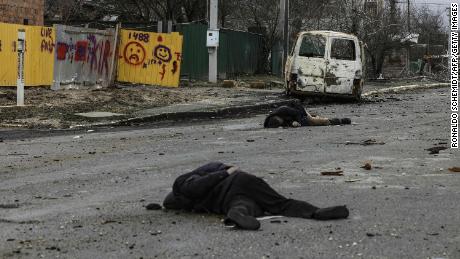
<point x="343" y="67"/>
<point x="310" y="63"/>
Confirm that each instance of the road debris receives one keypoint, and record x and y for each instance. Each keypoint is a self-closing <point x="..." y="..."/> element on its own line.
<point x="9" y="206"/>
<point x="155" y="233"/>
<point x="435" y="150"/>
<point x="153" y="206"/>
<point x="229" y="84"/>
<point x="367" y="165"/>
<point x="455" y="169"/>
<point x="105" y="222"/>
<point x="269" y="217"/>
<point x="16" y="154"/>
<point x="333" y="173"/>
<point x="352" y="180"/>
<point x="368" y="142"/>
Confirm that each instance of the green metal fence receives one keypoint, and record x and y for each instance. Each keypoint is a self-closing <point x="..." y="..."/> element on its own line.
<point x="239" y="52"/>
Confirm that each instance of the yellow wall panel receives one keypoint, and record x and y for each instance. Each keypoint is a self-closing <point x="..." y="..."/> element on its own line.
<point x="38" y="58"/>
<point x="150" y="58"/>
<point x="8" y="54"/>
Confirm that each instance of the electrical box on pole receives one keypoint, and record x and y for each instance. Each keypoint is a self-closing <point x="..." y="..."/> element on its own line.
<point x="213" y="39"/>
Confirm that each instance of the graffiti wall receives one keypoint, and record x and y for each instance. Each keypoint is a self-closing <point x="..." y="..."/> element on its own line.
<point x="83" y="56"/>
<point x="39" y="52"/>
<point x="150" y="58"/>
<point x="39" y="56"/>
<point x="68" y="56"/>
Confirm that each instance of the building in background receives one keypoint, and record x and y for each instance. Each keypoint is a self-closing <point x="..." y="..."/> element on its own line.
<point x="28" y="12"/>
<point x="373" y="6"/>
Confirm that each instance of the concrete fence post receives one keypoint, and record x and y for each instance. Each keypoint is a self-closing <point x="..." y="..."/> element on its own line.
<point x="20" y="82"/>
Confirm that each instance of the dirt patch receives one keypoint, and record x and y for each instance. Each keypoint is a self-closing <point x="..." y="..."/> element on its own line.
<point x="56" y="109"/>
<point x="45" y="108"/>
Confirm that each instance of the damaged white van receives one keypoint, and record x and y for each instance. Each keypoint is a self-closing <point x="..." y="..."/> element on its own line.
<point x="326" y="63"/>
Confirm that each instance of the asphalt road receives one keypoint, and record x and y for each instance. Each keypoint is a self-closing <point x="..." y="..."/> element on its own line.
<point x="82" y="196"/>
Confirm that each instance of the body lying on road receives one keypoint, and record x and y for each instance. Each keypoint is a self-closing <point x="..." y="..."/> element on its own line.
<point x="295" y="115"/>
<point x="222" y="189"/>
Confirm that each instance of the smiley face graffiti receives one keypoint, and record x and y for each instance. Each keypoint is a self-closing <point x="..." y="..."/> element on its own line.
<point x="162" y="53"/>
<point x="134" y="53"/>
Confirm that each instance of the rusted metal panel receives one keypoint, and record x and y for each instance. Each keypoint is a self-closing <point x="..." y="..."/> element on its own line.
<point x="83" y="56"/>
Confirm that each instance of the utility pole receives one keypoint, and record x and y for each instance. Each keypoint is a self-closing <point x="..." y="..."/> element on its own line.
<point x="285" y="14"/>
<point x="410" y="36"/>
<point x="213" y="40"/>
<point x="408" y="16"/>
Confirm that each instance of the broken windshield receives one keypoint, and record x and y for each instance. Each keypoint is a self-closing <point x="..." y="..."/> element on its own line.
<point x="312" y="46"/>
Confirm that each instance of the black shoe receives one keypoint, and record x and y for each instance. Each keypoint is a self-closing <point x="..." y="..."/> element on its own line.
<point x="335" y="121"/>
<point x="345" y="121"/>
<point x="337" y="212"/>
<point x="241" y="220"/>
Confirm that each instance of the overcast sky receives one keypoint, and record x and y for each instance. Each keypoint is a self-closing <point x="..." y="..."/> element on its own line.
<point x="440" y="5"/>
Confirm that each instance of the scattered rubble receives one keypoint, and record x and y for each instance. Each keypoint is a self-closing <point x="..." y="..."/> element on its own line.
<point x="367" y="165"/>
<point x="9" y="206"/>
<point x="153" y="206"/>
<point x="229" y="84"/>
<point x="435" y="150"/>
<point x="333" y="173"/>
<point x="368" y="142"/>
<point x="455" y="169"/>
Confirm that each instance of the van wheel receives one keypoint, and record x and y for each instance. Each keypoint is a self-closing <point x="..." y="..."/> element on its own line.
<point x="358" y="97"/>
<point x="287" y="90"/>
<point x="357" y="91"/>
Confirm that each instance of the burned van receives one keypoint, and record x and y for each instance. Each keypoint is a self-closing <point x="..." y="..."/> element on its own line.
<point x="326" y="63"/>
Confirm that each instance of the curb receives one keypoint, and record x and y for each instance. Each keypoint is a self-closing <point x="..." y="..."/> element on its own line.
<point x="217" y="113"/>
<point x="405" y="88"/>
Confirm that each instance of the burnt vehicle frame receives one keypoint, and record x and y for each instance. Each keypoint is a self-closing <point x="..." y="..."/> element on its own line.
<point x="326" y="63"/>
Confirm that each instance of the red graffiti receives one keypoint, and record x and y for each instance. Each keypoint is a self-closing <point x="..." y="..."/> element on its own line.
<point x="175" y="68"/>
<point x="62" y="49"/>
<point x="134" y="53"/>
<point x="178" y="56"/>
<point x="104" y="58"/>
<point x="93" y="51"/>
<point x="47" y="46"/>
<point x="81" y="50"/>
<point x="47" y="33"/>
<point x="163" y="72"/>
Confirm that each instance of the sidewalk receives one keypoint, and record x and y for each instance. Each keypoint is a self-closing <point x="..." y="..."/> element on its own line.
<point x="128" y="105"/>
